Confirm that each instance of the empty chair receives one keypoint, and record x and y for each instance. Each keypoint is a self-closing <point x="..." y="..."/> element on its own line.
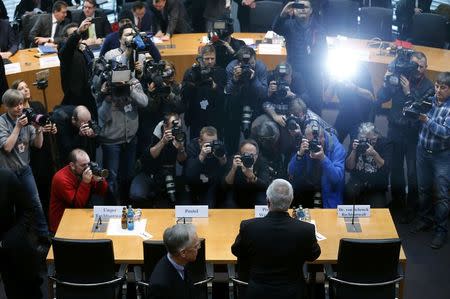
<point x="340" y="17"/>
<point x="429" y="30"/>
<point x="377" y="3"/>
<point x="366" y="269"/>
<point x="85" y="269"/>
<point x="263" y="15"/>
<point x="376" y="22"/>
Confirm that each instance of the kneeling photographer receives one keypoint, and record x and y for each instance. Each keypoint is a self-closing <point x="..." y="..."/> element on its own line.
<point x="205" y="168"/>
<point x="202" y="92"/>
<point x="317" y="169"/>
<point x="247" y="178"/>
<point x="368" y="164"/>
<point x="404" y="82"/>
<point x="157" y="179"/>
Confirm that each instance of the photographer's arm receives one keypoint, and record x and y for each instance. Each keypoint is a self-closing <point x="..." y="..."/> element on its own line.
<point x="39" y="138"/>
<point x="137" y="93"/>
<point x="333" y="166"/>
<point x="442" y="131"/>
<point x="11" y="139"/>
<point x="75" y="194"/>
<point x="350" y="162"/>
<point x="155" y="150"/>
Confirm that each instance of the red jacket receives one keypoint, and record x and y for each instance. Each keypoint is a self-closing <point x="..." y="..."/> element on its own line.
<point x="68" y="191"/>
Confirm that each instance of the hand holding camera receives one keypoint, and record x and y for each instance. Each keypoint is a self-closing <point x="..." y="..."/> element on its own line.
<point x="304" y="147"/>
<point x="318" y="155"/>
<point x="404" y="82"/>
<point x="86" y="130"/>
<point x="50" y="128"/>
<point x="280" y="119"/>
<point x="87" y="175"/>
<point x="205" y="151"/>
<point x="272" y="88"/>
<point x="167" y="137"/>
<point x="288" y="9"/>
<point x="84" y="25"/>
<point x="236" y="162"/>
<point x="22" y="121"/>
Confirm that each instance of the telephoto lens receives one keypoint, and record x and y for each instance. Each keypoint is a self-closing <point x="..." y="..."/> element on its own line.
<point x="170" y="187"/>
<point x="247" y="160"/>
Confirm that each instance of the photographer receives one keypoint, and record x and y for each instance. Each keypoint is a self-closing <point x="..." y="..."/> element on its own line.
<point x="318" y="167"/>
<point x="368" y="164"/>
<point x="433" y="166"/>
<point x="306" y="48"/>
<point x="245" y="90"/>
<point x="74" y="185"/>
<point x="17" y="134"/>
<point x="76" y="130"/>
<point x="226" y="46"/>
<point x="159" y="162"/>
<point x="205" y="168"/>
<point x="405" y="81"/>
<point x="247" y="178"/>
<point x="202" y="91"/>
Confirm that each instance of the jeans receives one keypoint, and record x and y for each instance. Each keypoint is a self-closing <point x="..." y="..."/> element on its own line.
<point x="434" y="168"/>
<point x="25" y="175"/>
<point x="119" y="159"/>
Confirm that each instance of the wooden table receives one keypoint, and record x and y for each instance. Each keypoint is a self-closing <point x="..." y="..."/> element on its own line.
<point x="185" y="50"/>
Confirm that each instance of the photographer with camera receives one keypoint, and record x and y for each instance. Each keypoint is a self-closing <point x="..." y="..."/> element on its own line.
<point x="306" y="48"/>
<point x="157" y="178"/>
<point x="205" y="168"/>
<point x="74" y="185"/>
<point x="226" y="46"/>
<point x="404" y="82"/>
<point x="245" y="90"/>
<point x="317" y="169"/>
<point x="368" y="164"/>
<point x="18" y="133"/>
<point x="247" y="178"/>
<point x="433" y="164"/>
<point x="202" y="91"/>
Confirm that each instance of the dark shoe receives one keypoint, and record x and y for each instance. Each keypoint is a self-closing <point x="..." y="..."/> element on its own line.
<point x="420" y="226"/>
<point x="439" y="240"/>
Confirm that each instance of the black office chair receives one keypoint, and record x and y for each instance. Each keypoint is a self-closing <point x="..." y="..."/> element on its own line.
<point x="429" y="30"/>
<point x="28" y="22"/>
<point x="238" y="276"/>
<point x="202" y="273"/>
<point x="340" y="17"/>
<point x="86" y="269"/>
<point x="366" y="269"/>
<point x="263" y="15"/>
<point x="376" y="22"/>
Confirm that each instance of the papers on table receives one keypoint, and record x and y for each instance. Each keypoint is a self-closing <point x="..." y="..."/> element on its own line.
<point x="46" y="49"/>
<point x="248" y="41"/>
<point x="50" y="61"/>
<point x="115" y="229"/>
<point x="156" y="40"/>
<point x="271" y="49"/>
<point x="12" y="68"/>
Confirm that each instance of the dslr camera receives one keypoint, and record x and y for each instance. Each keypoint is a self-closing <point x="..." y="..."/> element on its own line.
<point x="156" y="72"/>
<point x="402" y="65"/>
<point x="177" y="131"/>
<point x="33" y="117"/>
<point x="362" y="147"/>
<point x="97" y="170"/>
<point x="282" y="85"/>
<point x="416" y="107"/>
<point x="217" y="148"/>
<point x="202" y="76"/>
<point x="314" y="144"/>
<point x="246" y="68"/>
<point x="247" y="160"/>
<point x="292" y="122"/>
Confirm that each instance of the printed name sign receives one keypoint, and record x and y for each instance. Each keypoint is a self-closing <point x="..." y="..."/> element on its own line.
<point x="191" y="211"/>
<point x="347" y="210"/>
<point x="261" y="211"/>
<point x="107" y="212"/>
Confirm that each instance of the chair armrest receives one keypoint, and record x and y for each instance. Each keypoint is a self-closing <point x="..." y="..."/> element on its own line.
<point x="97" y="284"/>
<point x="240" y="282"/>
<point x="139" y="277"/>
<point x="359" y="284"/>
<point x="205" y="281"/>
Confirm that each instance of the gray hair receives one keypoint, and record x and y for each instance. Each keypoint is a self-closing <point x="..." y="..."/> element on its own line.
<point x="12" y="97"/>
<point x="366" y="128"/>
<point x="178" y="237"/>
<point x="309" y="127"/>
<point x="280" y="195"/>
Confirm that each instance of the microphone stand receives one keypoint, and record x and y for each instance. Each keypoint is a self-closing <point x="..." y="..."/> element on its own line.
<point x="354" y="227"/>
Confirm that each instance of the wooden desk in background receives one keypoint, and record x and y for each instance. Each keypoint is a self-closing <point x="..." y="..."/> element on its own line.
<point x="185" y="51"/>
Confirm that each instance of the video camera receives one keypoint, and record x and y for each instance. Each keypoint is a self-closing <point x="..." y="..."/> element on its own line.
<point x="414" y="108"/>
<point x="247" y="160"/>
<point x="97" y="170"/>
<point x="33" y="117"/>
<point x="140" y="41"/>
<point x="116" y="76"/>
<point x="156" y="72"/>
<point x="177" y="131"/>
<point x="217" y="148"/>
<point x="221" y="29"/>
<point x="402" y="65"/>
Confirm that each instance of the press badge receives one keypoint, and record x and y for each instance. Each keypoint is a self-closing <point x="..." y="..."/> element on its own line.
<point x="21" y="147"/>
<point x="204" y="104"/>
<point x="204" y="178"/>
<point x="128" y="108"/>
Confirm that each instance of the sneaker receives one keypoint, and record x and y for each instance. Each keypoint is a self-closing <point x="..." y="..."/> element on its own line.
<point x="420" y="226"/>
<point x="439" y="240"/>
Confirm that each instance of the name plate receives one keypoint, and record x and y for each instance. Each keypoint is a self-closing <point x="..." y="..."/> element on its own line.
<point x="347" y="210"/>
<point x="12" y="68"/>
<point x="191" y="211"/>
<point x="261" y="211"/>
<point x="107" y="212"/>
<point x="51" y="61"/>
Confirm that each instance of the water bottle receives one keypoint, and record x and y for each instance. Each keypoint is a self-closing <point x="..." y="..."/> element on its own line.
<point x="300" y="213"/>
<point x="307" y="215"/>
<point x="130" y="218"/>
<point x="123" y="221"/>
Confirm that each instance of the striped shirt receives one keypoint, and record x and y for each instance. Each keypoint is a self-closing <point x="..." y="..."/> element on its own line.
<point x="435" y="133"/>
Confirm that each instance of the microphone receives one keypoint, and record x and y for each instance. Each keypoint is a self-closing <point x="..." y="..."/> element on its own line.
<point x="354" y="227"/>
<point x="99" y="222"/>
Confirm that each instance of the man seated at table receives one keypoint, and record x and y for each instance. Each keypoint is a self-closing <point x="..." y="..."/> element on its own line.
<point x="49" y="27"/>
<point x="141" y="17"/>
<point x="73" y="186"/>
<point x="8" y="40"/>
<point x="275" y="248"/>
<point x="100" y="26"/>
<point x="170" y="17"/>
<point x="170" y="279"/>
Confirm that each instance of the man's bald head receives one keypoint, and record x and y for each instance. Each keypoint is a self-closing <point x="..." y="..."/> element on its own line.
<point x="80" y="115"/>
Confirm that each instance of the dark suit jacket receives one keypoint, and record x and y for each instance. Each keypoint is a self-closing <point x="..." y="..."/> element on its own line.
<point x="275" y="248"/>
<point x="102" y="26"/>
<point x="147" y="22"/>
<point x="43" y="28"/>
<point x="166" y="283"/>
<point x="174" y="18"/>
<point x="3" y="82"/>
<point x="8" y="40"/>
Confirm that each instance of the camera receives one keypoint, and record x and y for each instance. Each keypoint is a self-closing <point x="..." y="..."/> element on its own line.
<point x="94" y="126"/>
<point x="422" y="106"/>
<point x="246" y="120"/>
<point x="282" y="84"/>
<point x="247" y="160"/>
<point x="97" y="170"/>
<point x="33" y="117"/>
<point x="246" y="68"/>
<point x="220" y="30"/>
<point x="177" y="131"/>
<point x="217" y="148"/>
<point x="298" y="5"/>
<point x="202" y="76"/>
<point x="156" y="72"/>
<point x="402" y="65"/>
<point x="362" y="147"/>
<point x="314" y="144"/>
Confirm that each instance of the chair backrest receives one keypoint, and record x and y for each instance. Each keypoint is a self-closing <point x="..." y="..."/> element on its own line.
<point x="376" y="22"/>
<point x="197" y="269"/>
<point x="263" y="15"/>
<point x="429" y="30"/>
<point x="28" y="22"/>
<point x="367" y="261"/>
<point x="84" y="262"/>
<point x="341" y="17"/>
<point x="377" y="3"/>
<point x="153" y="252"/>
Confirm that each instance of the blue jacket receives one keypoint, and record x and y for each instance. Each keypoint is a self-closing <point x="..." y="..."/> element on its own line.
<point x="333" y="171"/>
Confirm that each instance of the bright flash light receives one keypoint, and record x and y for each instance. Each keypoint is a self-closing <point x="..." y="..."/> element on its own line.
<point x="342" y="63"/>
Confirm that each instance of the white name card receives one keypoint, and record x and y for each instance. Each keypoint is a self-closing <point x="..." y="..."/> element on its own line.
<point x="108" y="211"/>
<point x="49" y="61"/>
<point x="269" y="49"/>
<point x="12" y="68"/>
<point x="261" y="211"/>
<point x="347" y="210"/>
<point x="191" y="211"/>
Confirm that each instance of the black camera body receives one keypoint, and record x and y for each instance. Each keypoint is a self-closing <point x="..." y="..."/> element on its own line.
<point x="402" y="65"/>
<point x="362" y="147"/>
<point x="33" y="117"/>
<point x="217" y="148"/>
<point x="156" y="72"/>
<point x="202" y="76"/>
<point x="314" y="144"/>
<point x="246" y="68"/>
<point x="292" y="122"/>
<point x="97" y="170"/>
<point x="92" y="124"/>
<point x="422" y="106"/>
<point x="177" y="131"/>
<point x="247" y="160"/>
